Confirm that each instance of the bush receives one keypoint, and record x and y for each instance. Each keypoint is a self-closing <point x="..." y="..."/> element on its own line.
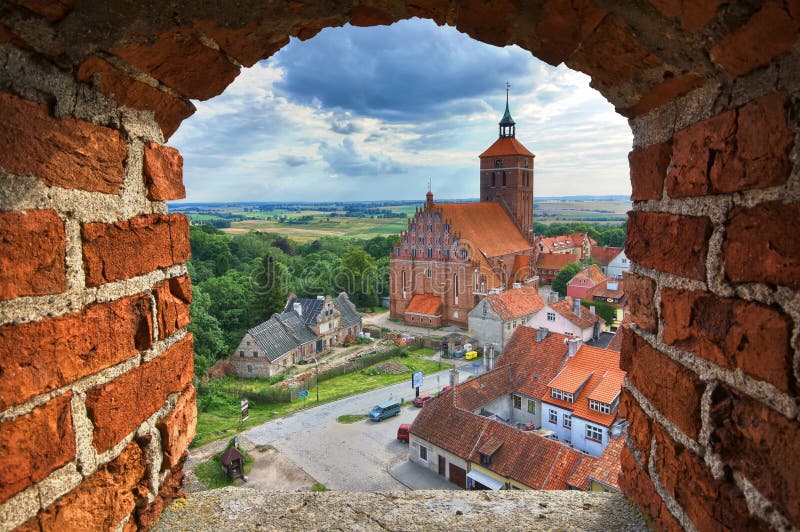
<point x="318" y="486"/>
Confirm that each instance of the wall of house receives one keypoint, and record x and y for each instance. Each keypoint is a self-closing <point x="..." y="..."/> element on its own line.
<point x="89" y="97"/>
<point x="433" y="456"/>
<point x="500" y="406"/>
<point x="618" y="265"/>
<point x="564" y="434"/>
<point x="560" y="325"/>
<point x="488" y="328"/>
<point x="582" y="443"/>
<point x="522" y="415"/>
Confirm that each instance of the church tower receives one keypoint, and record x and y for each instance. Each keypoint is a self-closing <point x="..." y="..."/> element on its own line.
<point x="507" y="175"/>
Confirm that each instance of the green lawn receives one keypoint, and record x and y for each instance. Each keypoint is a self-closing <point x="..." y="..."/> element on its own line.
<point x="211" y="474"/>
<point x="222" y="418"/>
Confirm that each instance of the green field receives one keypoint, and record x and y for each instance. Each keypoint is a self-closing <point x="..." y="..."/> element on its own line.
<point x="321" y="225"/>
<point x="590" y="211"/>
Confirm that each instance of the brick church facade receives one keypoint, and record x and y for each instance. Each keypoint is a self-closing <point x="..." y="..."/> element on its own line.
<point x="453" y="254"/>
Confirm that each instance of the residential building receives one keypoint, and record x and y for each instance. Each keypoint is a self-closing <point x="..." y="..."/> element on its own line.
<point x="305" y="329"/>
<point x="610" y="291"/>
<point x="612" y="259"/>
<point x="589" y="277"/>
<point x="458" y="253"/>
<point x="618" y="266"/>
<point x="494" y="320"/>
<point x="580" y="406"/>
<point x="549" y="264"/>
<point x="569" y="317"/>
<point x="578" y="244"/>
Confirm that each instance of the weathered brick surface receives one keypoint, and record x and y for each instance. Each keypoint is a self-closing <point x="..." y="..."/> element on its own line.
<point x="771" y="31"/>
<point x="178" y="59"/>
<point x="664" y="92"/>
<point x="739" y="149"/>
<point x="163" y="172"/>
<point x="640" y="291"/>
<point x="173" y="297"/>
<point x="669" y="242"/>
<point x="612" y="54"/>
<point x="32" y="251"/>
<point x="45" y="355"/>
<point x="117" y="408"/>
<point x="6" y="35"/>
<point x="133" y="247"/>
<point x="688" y="480"/>
<point x="66" y="153"/>
<point x="35" y="444"/>
<point x="730" y="332"/>
<point x="53" y="10"/>
<point x="676" y="392"/>
<point x="636" y="484"/>
<point x="640" y="426"/>
<point x="178" y="428"/>
<point x="102" y="500"/>
<point x="564" y="25"/>
<point x="648" y="168"/>
<point x="692" y="15"/>
<point x="168" y="110"/>
<point x="762" y="444"/>
<point x="760" y="245"/>
<point x="247" y="45"/>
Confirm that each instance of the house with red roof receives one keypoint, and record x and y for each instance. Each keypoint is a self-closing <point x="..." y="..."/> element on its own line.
<point x="578" y="244"/>
<point x="460" y="252"/>
<point x="569" y="317"/>
<point x="589" y="277"/>
<point x="549" y="264"/>
<point x="494" y="320"/>
<point x="610" y="291"/>
<point x="613" y="260"/>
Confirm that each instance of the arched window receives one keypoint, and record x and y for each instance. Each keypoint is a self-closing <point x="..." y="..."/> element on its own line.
<point x="455" y="283"/>
<point x="404" y="280"/>
<point x="492" y="178"/>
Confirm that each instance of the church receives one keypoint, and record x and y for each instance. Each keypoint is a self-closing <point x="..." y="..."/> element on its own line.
<point x="453" y="254"/>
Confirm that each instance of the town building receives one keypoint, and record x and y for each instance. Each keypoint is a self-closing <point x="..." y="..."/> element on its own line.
<point x="609" y="291"/>
<point x="612" y="259"/>
<point x="454" y="254"/>
<point x="569" y="317"/>
<point x="589" y="277"/>
<point x="303" y="331"/>
<point x="578" y="244"/>
<point x="494" y="320"/>
<point x="549" y="264"/>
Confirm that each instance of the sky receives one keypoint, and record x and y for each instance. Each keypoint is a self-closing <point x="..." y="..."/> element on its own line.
<point x="374" y="113"/>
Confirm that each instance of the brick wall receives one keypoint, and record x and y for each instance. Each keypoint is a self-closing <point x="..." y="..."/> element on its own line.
<point x="96" y="404"/>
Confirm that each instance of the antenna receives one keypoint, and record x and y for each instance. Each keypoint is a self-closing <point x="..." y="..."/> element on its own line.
<point x="429" y="184"/>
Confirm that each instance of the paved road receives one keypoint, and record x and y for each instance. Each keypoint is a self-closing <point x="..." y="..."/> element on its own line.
<point x="354" y="457"/>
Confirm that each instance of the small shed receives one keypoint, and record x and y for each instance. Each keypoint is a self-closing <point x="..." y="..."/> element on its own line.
<point x="233" y="463"/>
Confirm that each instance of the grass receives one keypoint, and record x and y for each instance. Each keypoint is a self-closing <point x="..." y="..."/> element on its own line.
<point x="351" y="418"/>
<point x="221" y="420"/>
<point x="358" y="228"/>
<point x="318" y="486"/>
<point x="211" y="474"/>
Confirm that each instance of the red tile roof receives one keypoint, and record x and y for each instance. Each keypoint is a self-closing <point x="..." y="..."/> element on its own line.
<point x="520" y="269"/>
<point x="555" y="261"/>
<point x="570" y="381"/>
<point x="608" y="467"/>
<point x="506" y="146"/>
<point x="427" y="304"/>
<point x="516" y="302"/>
<point x="585" y="320"/>
<point x="591" y="273"/>
<point x="602" y="290"/>
<point x="484" y="225"/>
<point x="561" y="242"/>
<point x="605" y="254"/>
<point x="483" y="389"/>
<point x="535" y="363"/>
<point x="444" y="425"/>
<point x="603" y="365"/>
<point x="616" y="343"/>
<point x="579" y="479"/>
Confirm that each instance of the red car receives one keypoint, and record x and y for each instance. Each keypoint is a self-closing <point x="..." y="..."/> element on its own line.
<point x="421" y="400"/>
<point x="402" y="432"/>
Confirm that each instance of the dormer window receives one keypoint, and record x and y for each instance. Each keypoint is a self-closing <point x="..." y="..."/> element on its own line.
<point x="603" y="408"/>
<point x="486" y="459"/>
<point x="561" y="395"/>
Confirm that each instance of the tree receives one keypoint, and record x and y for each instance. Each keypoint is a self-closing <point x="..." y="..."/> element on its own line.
<point x="268" y="288"/>
<point x="357" y="273"/>
<point x="563" y="277"/>
<point x="209" y="340"/>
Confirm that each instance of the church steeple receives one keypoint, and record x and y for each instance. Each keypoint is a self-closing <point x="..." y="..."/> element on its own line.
<point x="507" y="125"/>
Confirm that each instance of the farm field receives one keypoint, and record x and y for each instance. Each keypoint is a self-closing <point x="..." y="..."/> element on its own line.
<point x="362" y="228"/>
<point x="590" y="211"/>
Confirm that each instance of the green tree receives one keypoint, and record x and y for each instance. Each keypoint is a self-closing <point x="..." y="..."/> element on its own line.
<point x="268" y="286"/>
<point x="563" y="277"/>
<point x="357" y="272"/>
<point x="209" y="340"/>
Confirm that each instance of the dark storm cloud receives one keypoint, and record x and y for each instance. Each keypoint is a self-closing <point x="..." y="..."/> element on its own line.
<point x="345" y="160"/>
<point x="407" y="72"/>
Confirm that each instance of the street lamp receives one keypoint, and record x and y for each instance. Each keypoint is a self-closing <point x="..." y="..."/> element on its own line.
<point x="316" y="371"/>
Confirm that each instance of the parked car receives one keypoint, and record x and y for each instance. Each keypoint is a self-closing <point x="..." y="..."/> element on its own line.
<point x="443" y="390"/>
<point x="403" y="431"/>
<point x="421" y="400"/>
<point x="385" y="409"/>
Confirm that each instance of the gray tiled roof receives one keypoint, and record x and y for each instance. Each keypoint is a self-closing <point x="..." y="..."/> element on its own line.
<point x="350" y="315"/>
<point x="280" y="334"/>
<point x="311" y="307"/>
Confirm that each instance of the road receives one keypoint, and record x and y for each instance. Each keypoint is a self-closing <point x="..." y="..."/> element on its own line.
<point x="356" y="456"/>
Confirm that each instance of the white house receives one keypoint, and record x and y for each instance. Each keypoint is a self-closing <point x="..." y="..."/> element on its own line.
<point x="613" y="260"/>
<point x="618" y="264"/>
<point x="568" y="317"/>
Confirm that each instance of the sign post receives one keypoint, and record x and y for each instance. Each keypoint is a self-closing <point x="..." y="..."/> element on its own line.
<point x="416" y="381"/>
<point x="303" y="395"/>
<point x="245" y="410"/>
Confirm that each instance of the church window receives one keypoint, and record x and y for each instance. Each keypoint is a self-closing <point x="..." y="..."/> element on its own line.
<point x="447" y="253"/>
<point x="493" y="178"/>
<point x="498" y="163"/>
<point x="504" y="179"/>
<point x="421" y="240"/>
<point x="397" y="251"/>
<point x="413" y="252"/>
<point x="404" y="281"/>
<point x="428" y="273"/>
<point x="430" y="228"/>
<point x="526" y="162"/>
<point x="446" y="228"/>
<point x="463" y="253"/>
<point x="405" y="238"/>
<point x="455" y="282"/>
<point x="430" y="253"/>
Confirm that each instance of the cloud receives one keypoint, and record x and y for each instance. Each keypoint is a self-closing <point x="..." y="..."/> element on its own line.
<point x="344" y="127"/>
<point x="294" y="160"/>
<point x="345" y="160"/>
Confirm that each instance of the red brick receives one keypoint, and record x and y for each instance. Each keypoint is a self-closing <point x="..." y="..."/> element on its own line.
<point x="169" y="111"/>
<point x="35" y="444"/>
<point x="486" y="22"/>
<point x="148" y="516"/>
<point x="731" y="333"/>
<point x="693" y="15"/>
<point x="66" y="153"/>
<point x="688" y="480"/>
<point x="640" y="291"/>
<point x="51" y="353"/>
<point x="612" y="55"/>
<point x="640" y="426"/>
<point x="771" y="31"/>
<point x="762" y="444"/>
<point x="737" y="150"/>
<point x="361" y="15"/>
<point x="760" y="244"/>
<point x="53" y="10"/>
<point x="163" y="172"/>
<point x="173" y="297"/>
<point x="178" y="428"/>
<point x="102" y="500"/>
<point x="133" y="247"/>
<point x="247" y="45"/>
<point x="648" y="167"/>
<point x="119" y="407"/>
<point x="638" y="487"/>
<point x="671" y="243"/>
<point x="565" y="24"/>
<point x="180" y="60"/>
<point x="6" y="35"/>
<point x="676" y="392"/>
<point x="32" y="251"/>
<point x="664" y="92"/>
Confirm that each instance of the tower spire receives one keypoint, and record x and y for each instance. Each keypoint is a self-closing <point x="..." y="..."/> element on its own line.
<point x="507" y="125"/>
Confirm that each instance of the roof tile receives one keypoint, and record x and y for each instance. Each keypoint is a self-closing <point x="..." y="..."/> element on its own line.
<point x="516" y="302"/>
<point x="427" y="304"/>
<point x="486" y="226"/>
<point x="605" y="254"/>
<point x="506" y="146"/>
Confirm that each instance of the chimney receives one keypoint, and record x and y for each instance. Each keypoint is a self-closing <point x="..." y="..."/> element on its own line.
<point x="488" y="357"/>
<point x="541" y="333"/>
<point x="297" y="308"/>
<point x="573" y="344"/>
<point x="576" y="306"/>
<point x="591" y="310"/>
<point x="453" y="376"/>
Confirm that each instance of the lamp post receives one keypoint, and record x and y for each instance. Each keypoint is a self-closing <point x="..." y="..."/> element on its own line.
<point x="316" y="371"/>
